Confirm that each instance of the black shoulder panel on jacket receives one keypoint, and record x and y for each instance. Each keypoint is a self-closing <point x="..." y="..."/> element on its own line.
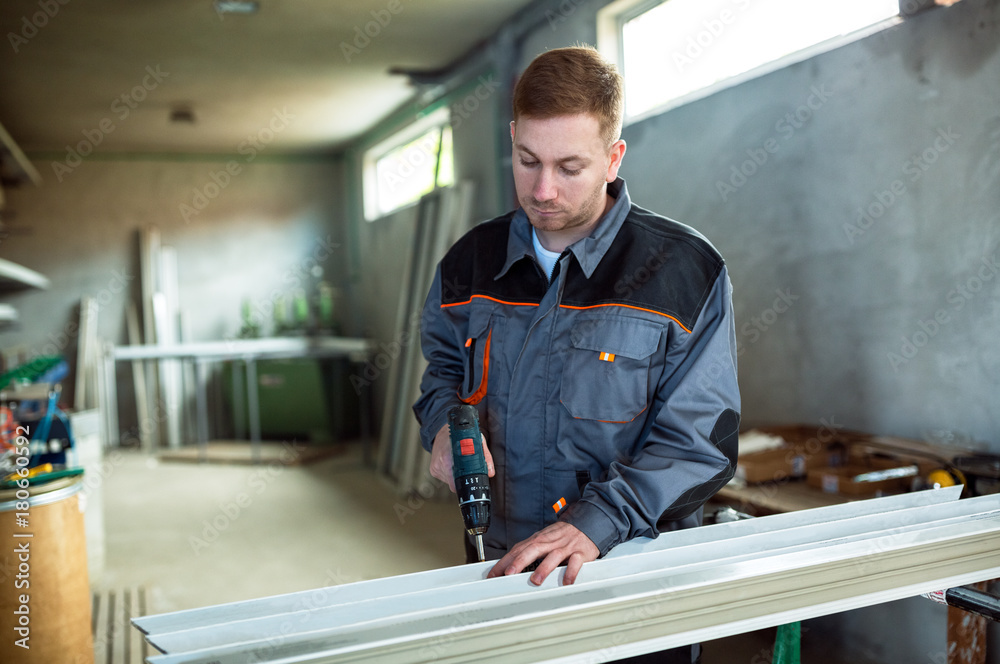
<point x="471" y="264"/>
<point x="655" y="264"/>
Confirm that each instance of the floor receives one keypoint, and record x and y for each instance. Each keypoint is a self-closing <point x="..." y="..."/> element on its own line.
<point x="202" y="534"/>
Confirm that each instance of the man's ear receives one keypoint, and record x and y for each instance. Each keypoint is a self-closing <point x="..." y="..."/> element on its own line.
<point x="511" y="131"/>
<point x="617" y="154"/>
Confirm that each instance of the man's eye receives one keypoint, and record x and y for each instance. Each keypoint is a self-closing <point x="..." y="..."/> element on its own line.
<point x="571" y="172"/>
<point x="529" y="164"/>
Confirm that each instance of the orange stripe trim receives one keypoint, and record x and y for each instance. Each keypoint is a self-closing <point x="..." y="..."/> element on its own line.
<point x="480" y="392"/>
<point x="492" y="299"/>
<point x="629" y="306"/>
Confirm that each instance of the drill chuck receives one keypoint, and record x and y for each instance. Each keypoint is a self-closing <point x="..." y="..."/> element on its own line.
<point x="472" y="482"/>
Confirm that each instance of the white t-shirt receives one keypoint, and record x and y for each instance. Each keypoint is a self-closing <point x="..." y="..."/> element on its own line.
<point x="545" y="257"/>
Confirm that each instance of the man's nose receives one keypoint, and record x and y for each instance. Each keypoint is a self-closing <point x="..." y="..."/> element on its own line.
<point x="544" y="189"/>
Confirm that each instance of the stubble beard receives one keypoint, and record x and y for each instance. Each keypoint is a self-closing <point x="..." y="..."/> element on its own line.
<point x="591" y="211"/>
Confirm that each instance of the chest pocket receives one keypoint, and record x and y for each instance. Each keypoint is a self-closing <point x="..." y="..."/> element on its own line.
<point x="606" y="376"/>
<point x="482" y="348"/>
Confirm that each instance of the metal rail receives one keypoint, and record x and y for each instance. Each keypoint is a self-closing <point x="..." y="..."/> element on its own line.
<point x="249" y="351"/>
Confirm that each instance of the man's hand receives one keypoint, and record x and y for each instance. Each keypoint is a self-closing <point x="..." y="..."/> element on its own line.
<point x="556" y="543"/>
<point x="441" y="460"/>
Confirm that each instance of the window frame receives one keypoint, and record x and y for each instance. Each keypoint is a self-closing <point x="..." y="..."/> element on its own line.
<point x="439" y="120"/>
<point x="612" y="18"/>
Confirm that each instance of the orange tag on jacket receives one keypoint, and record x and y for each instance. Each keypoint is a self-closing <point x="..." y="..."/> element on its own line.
<point x="607" y="357"/>
<point x="559" y="504"/>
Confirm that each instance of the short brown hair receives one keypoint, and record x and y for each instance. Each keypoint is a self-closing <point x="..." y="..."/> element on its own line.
<point x="568" y="81"/>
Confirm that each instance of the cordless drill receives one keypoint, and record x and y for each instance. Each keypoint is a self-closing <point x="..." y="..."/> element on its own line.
<point x="472" y="482"/>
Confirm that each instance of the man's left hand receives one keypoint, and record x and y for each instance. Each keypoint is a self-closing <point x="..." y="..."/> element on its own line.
<point x="553" y="544"/>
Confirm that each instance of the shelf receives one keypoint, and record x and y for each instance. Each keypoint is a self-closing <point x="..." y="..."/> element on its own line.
<point x="19" y="163"/>
<point x="13" y="275"/>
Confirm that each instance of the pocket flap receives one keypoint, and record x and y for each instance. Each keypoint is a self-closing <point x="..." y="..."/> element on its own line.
<point x="479" y="323"/>
<point x="634" y="339"/>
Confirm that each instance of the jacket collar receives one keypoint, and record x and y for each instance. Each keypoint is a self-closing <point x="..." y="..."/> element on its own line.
<point x="589" y="251"/>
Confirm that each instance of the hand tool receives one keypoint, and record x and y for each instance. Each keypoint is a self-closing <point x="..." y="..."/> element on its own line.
<point x="472" y="482"/>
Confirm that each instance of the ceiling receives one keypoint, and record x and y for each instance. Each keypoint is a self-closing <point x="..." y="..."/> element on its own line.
<point x="297" y="76"/>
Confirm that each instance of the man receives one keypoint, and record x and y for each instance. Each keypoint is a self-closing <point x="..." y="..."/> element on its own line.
<point x="595" y="338"/>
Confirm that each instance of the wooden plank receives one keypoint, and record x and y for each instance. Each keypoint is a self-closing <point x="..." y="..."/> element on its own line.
<point x="100" y="619"/>
<point x="166" y="305"/>
<point x="115" y="640"/>
<point x="119" y="637"/>
<point x="134" y="642"/>
<point x="143" y="412"/>
<point x="85" y="394"/>
<point x="149" y="274"/>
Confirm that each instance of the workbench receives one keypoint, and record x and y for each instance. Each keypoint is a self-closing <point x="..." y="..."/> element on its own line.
<point x="247" y="351"/>
<point x="965" y="633"/>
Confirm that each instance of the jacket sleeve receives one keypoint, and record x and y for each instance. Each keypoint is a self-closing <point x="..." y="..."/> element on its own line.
<point x="689" y="449"/>
<point x="444" y="372"/>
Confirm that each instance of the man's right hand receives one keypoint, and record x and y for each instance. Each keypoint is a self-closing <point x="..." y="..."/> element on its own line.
<point x="441" y="460"/>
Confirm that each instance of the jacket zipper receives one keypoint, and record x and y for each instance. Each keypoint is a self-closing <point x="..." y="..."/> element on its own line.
<point x="472" y="365"/>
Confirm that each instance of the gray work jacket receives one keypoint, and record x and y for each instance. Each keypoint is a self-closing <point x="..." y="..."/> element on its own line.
<point x="608" y="397"/>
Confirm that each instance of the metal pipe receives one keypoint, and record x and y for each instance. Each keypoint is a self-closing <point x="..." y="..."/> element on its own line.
<point x="975" y="601"/>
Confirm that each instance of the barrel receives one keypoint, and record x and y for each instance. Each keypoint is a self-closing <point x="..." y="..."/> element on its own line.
<point x="44" y="589"/>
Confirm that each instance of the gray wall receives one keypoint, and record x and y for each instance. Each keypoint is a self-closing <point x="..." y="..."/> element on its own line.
<point x="261" y="235"/>
<point x="906" y="127"/>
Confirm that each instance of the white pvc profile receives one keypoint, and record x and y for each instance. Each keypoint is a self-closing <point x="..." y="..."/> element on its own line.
<point x="695" y="556"/>
<point x="440" y="578"/>
<point x="621" y="605"/>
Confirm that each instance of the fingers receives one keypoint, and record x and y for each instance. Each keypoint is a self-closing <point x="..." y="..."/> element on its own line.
<point x="573" y="566"/>
<point x="556" y="544"/>
<point x="508" y="564"/>
<point x="489" y="457"/>
<point x="441" y="464"/>
<point x="546" y="567"/>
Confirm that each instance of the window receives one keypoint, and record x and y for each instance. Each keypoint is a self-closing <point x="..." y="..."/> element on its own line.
<point x="398" y="171"/>
<point x="677" y="51"/>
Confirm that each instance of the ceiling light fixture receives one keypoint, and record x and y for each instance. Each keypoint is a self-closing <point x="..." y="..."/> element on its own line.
<point x="236" y="6"/>
<point x="182" y="115"/>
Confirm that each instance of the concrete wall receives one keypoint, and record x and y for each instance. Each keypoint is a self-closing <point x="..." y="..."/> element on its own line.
<point x="863" y="250"/>
<point x="260" y="236"/>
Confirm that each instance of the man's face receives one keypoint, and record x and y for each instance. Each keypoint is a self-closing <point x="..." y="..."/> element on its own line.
<point x="561" y="170"/>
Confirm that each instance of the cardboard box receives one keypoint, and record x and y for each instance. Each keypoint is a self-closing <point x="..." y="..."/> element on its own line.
<point x="782" y="464"/>
<point x="843" y="479"/>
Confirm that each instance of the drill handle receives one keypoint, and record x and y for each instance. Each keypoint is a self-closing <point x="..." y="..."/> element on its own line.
<point x="467" y="452"/>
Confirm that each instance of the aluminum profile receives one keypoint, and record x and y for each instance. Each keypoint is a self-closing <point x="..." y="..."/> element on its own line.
<point x="681" y="588"/>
